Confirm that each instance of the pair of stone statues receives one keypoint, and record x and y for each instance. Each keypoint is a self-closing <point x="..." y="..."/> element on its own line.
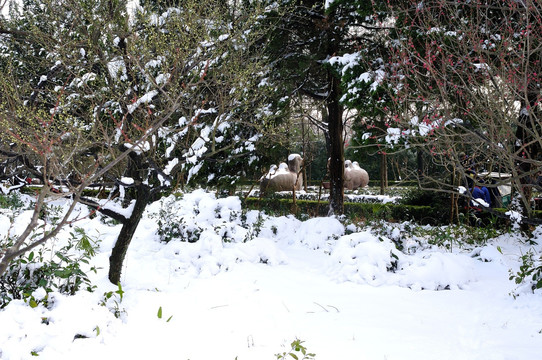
<point x="288" y="176"/>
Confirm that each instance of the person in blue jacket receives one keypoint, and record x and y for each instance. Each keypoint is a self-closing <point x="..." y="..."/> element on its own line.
<point x="481" y="192"/>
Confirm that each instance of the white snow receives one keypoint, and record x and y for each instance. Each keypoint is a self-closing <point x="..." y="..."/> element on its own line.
<point x="116" y="207"/>
<point x="293" y="156"/>
<point x="145" y="99"/>
<point x="43" y="78"/>
<point x="117" y="69"/>
<point x="252" y="284"/>
<point x="275" y="171"/>
<point x="393" y="136"/>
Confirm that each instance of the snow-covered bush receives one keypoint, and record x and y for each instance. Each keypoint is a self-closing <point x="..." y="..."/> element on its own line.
<point x="184" y="218"/>
<point x="361" y="257"/>
<point x="32" y="276"/>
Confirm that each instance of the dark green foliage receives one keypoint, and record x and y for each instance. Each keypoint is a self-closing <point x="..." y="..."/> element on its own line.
<point x="62" y="272"/>
<point x="529" y="271"/>
<point x="317" y="167"/>
<point x="11" y="201"/>
<point x="424" y="197"/>
<point x="438" y="201"/>
<point x="389" y="212"/>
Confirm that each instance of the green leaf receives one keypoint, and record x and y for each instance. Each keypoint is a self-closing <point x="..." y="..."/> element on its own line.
<point x="160" y="312"/>
<point x="97" y="329"/>
<point x="294" y="356"/>
<point x="120" y="291"/>
<point x="169" y="318"/>
<point x="33" y="303"/>
<point x="63" y="274"/>
<point x="31" y="256"/>
<point x="62" y="257"/>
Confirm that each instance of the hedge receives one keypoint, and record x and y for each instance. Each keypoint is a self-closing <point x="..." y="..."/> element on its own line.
<point x="389" y="212"/>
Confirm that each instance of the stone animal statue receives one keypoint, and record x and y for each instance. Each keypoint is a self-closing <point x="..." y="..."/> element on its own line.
<point x="354" y="176"/>
<point x="284" y="177"/>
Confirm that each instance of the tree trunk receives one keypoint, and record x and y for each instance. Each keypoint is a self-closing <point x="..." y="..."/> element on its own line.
<point x="528" y="149"/>
<point x="336" y="155"/>
<point x="143" y="197"/>
<point x="305" y="154"/>
<point x="419" y="158"/>
<point x="453" y="198"/>
<point x="383" y="173"/>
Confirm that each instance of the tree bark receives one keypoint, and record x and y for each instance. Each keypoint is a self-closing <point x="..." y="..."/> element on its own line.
<point x="528" y="149"/>
<point x="453" y="198"/>
<point x="336" y="163"/>
<point x="419" y="158"/>
<point x="143" y="197"/>
<point x="383" y="173"/>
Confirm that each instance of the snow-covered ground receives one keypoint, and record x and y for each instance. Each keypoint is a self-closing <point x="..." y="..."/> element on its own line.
<point x="252" y="284"/>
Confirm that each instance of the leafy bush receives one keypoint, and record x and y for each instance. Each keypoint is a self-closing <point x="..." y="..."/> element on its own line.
<point x="172" y="224"/>
<point x="438" y="201"/>
<point x="37" y="270"/>
<point x="11" y="201"/>
<point x="373" y="211"/>
<point x="530" y="271"/>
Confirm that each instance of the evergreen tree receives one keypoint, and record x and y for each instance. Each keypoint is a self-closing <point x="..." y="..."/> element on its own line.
<point x="308" y="34"/>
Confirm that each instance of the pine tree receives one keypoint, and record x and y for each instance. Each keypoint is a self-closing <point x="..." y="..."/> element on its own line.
<point x="307" y="36"/>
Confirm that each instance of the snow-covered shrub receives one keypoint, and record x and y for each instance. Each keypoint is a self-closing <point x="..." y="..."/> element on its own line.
<point x="172" y="224"/>
<point x="364" y="258"/>
<point x="402" y="254"/>
<point x="32" y="276"/>
<point x="316" y="236"/>
<point x="410" y="237"/>
<point x="185" y="217"/>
